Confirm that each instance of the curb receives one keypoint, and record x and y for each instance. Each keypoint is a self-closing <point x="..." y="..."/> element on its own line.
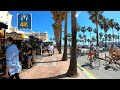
<point x="90" y="76"/>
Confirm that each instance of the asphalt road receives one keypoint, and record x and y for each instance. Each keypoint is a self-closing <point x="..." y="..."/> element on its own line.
<point x="112" y="73"/>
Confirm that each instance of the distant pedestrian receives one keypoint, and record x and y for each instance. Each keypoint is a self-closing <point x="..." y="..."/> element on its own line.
<point x="52" y="49"/>
<point x="29" y="55"/>
<point x="49" y="49"/>
<point x="78" y="50"/>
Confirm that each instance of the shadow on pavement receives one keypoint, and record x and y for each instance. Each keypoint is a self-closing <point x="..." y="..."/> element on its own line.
<point x="111" y="68"/>
<point x="55" y="77"/>
<point x="44" y="55"/>
<point x="47" y="62"/>
<point x="86" y="64"/>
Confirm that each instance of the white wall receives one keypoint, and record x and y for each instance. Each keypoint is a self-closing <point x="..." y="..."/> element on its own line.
<point x="6" y="18"/>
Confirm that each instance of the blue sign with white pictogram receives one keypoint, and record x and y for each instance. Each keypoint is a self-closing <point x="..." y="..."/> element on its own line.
<point x="24" y="21"/>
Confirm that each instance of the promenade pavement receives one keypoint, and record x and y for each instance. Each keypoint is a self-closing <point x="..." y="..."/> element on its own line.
<point x="50" y="67"/>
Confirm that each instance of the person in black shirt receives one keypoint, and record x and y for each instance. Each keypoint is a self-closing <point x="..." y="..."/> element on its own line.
<point x="29" y="55"/>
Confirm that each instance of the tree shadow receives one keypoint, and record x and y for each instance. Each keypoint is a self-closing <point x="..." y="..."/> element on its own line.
<point x="86" y="64"/>
<point x="111" y="68"/>
<point x="44" y="55"/>
<point x="56" y="77"/>
<point x="46" y="62"/>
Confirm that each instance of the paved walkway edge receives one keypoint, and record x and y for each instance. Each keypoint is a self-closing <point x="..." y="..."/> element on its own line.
<point x="90" y="76"/>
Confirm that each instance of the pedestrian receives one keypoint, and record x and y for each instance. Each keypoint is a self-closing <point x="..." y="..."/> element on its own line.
<point x="13" y="67"/>
<point x="78" y="50"/>
<point x="49" y="49"/>
<point x="29" y="55"/>
<point x="52" y="49"/>
<point x="90" y="56"/>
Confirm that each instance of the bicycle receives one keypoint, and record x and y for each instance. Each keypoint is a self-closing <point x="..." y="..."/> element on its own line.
<point x="95" y="61"/>
<point x="112" y="60"/>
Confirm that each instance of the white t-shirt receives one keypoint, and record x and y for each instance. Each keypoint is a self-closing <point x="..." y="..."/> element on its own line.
<point x="52" y="47"/>
<point x="49" y="47"/>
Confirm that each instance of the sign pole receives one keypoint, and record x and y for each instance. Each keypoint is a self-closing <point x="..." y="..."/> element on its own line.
<point x="4" y="37"/>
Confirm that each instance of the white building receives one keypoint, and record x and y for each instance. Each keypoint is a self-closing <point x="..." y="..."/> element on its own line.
<point x="6" y="18"/>
<point x="44" y="36"/>
<point x="41" y="36"/>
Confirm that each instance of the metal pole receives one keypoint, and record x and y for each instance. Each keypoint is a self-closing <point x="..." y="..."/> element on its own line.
<point x="4" y="38"/>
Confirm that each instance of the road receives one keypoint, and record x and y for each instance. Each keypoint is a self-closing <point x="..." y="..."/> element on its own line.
<point x="100" y="73"/>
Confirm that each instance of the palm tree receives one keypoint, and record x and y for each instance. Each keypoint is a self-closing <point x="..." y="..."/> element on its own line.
<point x="78" y="28"/>
<point x="112" y="25"/>
<point x="89" y="30"/>
<point x="100" y="34"/>
<point x="106" y="36"/>
<point x="104" y="24"/>
<point x="109" y="37"/>
<point x="83" y="29"/>
<point x="80" y="36"/>
<point x="96" y="16"/>
<point x="95" y="31"/>
<point x="117" y="27"/>
<point x="115" y="38"/>
<point x="51" y="39"/>
<point x="89" y="41"/>
<point x="35" y="43"/>
<point x="80" y="42"/>
<point x="72" y="71"/>
<point x="93" y="39"/>
<point x="103" y="39"/>
<point x="84" y="39"/>
<point x="118" y="39"/>
<point x="64" y="58"/>
<point x="77" y="40"/>
<point x="56" y="33"/>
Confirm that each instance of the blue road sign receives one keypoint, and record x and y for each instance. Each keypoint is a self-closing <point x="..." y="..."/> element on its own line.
<point x="24" y="21"/>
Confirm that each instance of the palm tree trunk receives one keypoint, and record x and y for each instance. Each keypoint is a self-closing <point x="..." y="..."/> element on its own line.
<point x="118" y="37"/>
<point x="109" y="41"/>
<point x="90" y="36"/>
<point x="64" y="58"/>
<point x="113" y="34"/>
<point x="69" y="43"/>
<point x="72" y="71"/>
<point x="100" y="39"/>
<point x="60" y="29"/>
<point x="97" y="34"/>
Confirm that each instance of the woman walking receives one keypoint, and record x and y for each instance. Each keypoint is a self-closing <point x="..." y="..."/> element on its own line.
<point x="29" y="55"/>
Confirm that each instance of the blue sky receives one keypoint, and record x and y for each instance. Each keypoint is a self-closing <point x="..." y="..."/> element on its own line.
<point x="42" y="21"/>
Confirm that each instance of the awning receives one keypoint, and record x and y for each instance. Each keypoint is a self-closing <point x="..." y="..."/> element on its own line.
<point x="2" y="25"/>
<point x="1" y="33"/>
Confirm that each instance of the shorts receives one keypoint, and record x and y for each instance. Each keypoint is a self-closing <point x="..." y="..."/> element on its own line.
<point x="29" y="57"/>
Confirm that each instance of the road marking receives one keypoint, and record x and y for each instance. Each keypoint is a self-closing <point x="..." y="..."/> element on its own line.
<point x="90" y="75"/>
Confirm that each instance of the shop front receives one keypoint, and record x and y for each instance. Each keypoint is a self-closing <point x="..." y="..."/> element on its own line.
<point x="18" y="37"/>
